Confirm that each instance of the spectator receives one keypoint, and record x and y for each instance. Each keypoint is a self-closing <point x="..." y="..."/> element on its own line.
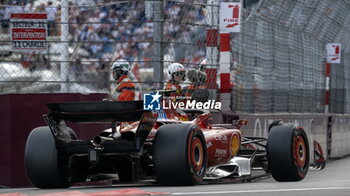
<point x="121" y="30"/>
<point x="51" y="18"/>
<point x="12" y="8"/>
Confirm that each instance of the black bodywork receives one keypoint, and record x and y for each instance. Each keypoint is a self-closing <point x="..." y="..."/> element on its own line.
<point x="81" y="159"/>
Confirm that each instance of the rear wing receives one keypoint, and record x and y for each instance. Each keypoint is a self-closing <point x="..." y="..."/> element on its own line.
<point x="101" y="111"/>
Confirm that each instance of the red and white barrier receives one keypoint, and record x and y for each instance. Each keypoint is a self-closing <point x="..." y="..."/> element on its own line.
<point x="212" y="46"/>
<point x="225" y="76"/>
<point x="230" y="22"/>
<point x="212" y="50"/>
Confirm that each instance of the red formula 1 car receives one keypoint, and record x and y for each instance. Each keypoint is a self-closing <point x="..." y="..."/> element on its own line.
<point x="174" y="147"/>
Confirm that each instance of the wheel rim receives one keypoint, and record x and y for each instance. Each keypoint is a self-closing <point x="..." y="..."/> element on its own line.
<point x="299" y="152"/>
<point x="196" y="155"/>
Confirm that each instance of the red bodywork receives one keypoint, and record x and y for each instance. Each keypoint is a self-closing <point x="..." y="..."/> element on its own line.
<point x="218" y="139"/>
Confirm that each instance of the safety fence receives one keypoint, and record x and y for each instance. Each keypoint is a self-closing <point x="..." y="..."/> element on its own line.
<point x="280" y="57"/>
<point x="149" y="34"/>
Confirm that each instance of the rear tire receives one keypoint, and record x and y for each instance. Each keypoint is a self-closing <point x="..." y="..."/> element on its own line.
<point x="180" y="154"/>
<point x="41" y="160"/>
<point x="288" y="152"/>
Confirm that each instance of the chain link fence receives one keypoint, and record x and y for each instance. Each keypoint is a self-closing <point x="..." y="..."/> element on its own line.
<point x="149" y="34"/>
<point x="280" y="56"/>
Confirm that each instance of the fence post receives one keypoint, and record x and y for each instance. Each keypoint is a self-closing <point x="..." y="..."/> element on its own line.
<point x="212" y="47"/>
<point x="158" y="64"/>
<point x="328" y="84"/>
<point x="64" y="45"/>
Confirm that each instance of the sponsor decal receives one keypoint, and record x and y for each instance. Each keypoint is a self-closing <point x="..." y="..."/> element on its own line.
<point x="209" y="144"/>
<point x="221" y="138"/>
<point x="161" y="114"/>
<point x="220" y="153"/>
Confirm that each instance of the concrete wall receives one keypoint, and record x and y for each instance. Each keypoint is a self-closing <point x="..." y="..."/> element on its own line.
<point x="20" y="114"/>
<point x="331" y="131"/>
<point x="340" y="145"/>
<point x="315" y="126"/>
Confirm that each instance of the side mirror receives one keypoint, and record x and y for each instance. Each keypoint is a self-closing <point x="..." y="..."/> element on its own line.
<point x="240" y="123"/>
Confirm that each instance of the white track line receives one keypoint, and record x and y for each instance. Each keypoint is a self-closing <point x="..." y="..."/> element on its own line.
<point x="261" y="191"/>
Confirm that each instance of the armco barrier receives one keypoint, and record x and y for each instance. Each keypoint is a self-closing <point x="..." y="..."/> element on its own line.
<point x="20" y="113"/>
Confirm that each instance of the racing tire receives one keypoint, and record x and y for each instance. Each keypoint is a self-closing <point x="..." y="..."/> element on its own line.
<point x="288" y="152"/>
<point x="41" y="160"/>
<point x="180" y="154"/>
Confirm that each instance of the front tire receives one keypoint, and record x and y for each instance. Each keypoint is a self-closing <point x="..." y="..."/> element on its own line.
<point x="41" y="160"/>
<point x="288" y="152"/>
<point x="180" y="154"/>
